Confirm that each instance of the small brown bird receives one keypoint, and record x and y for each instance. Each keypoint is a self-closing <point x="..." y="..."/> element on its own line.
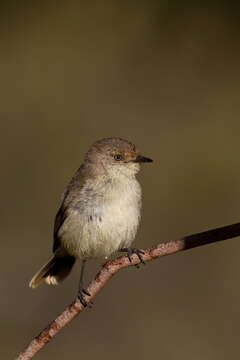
<point x="100" y="211"/>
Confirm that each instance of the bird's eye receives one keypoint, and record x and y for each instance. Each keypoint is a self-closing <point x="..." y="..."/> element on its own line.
<point x="117" y="157"/>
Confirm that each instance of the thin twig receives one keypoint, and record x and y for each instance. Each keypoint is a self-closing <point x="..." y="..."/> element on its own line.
<point x="111" y="267"/>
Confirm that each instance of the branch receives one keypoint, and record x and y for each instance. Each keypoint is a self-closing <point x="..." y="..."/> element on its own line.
<point x="111" y="267"/>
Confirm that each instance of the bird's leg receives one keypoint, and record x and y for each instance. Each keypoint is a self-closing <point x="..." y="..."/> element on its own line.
<point x="131" y="251"/>
<point x="81" y="290"/>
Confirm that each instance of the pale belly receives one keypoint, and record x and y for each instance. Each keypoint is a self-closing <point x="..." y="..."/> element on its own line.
<point x="105" y="227"/>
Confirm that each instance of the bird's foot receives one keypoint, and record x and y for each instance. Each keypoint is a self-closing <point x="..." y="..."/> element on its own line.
<point x="136" y="251"/>
<point x="81" y="297"/>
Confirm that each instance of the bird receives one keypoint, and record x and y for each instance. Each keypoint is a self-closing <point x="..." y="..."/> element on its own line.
<point x="99" y="214"/>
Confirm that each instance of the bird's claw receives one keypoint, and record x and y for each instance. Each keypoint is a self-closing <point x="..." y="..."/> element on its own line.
<point x="136" y="251"/>
<point x="81" y="296"/>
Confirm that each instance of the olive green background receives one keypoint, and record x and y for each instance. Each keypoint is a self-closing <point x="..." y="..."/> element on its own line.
<point x="165" y="75"/>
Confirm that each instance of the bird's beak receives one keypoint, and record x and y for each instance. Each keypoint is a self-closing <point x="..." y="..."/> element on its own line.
<point x="141" y="158"/>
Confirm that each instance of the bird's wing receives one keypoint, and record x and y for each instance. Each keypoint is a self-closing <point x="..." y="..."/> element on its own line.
<point x="59" y="220"/>
<point x="70" y="197"/>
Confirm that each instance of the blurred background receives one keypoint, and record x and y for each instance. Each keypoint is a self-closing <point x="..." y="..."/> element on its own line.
<point x="165" y="75"/>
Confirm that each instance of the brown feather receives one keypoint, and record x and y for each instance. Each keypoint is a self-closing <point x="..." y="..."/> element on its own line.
<point x="56" y="269"/>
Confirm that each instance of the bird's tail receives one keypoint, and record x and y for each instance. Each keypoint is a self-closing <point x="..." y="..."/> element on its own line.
<point x="56" y="269"/>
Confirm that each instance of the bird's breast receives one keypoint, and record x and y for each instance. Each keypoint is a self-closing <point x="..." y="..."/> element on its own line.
<point x="104" y="223"/>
